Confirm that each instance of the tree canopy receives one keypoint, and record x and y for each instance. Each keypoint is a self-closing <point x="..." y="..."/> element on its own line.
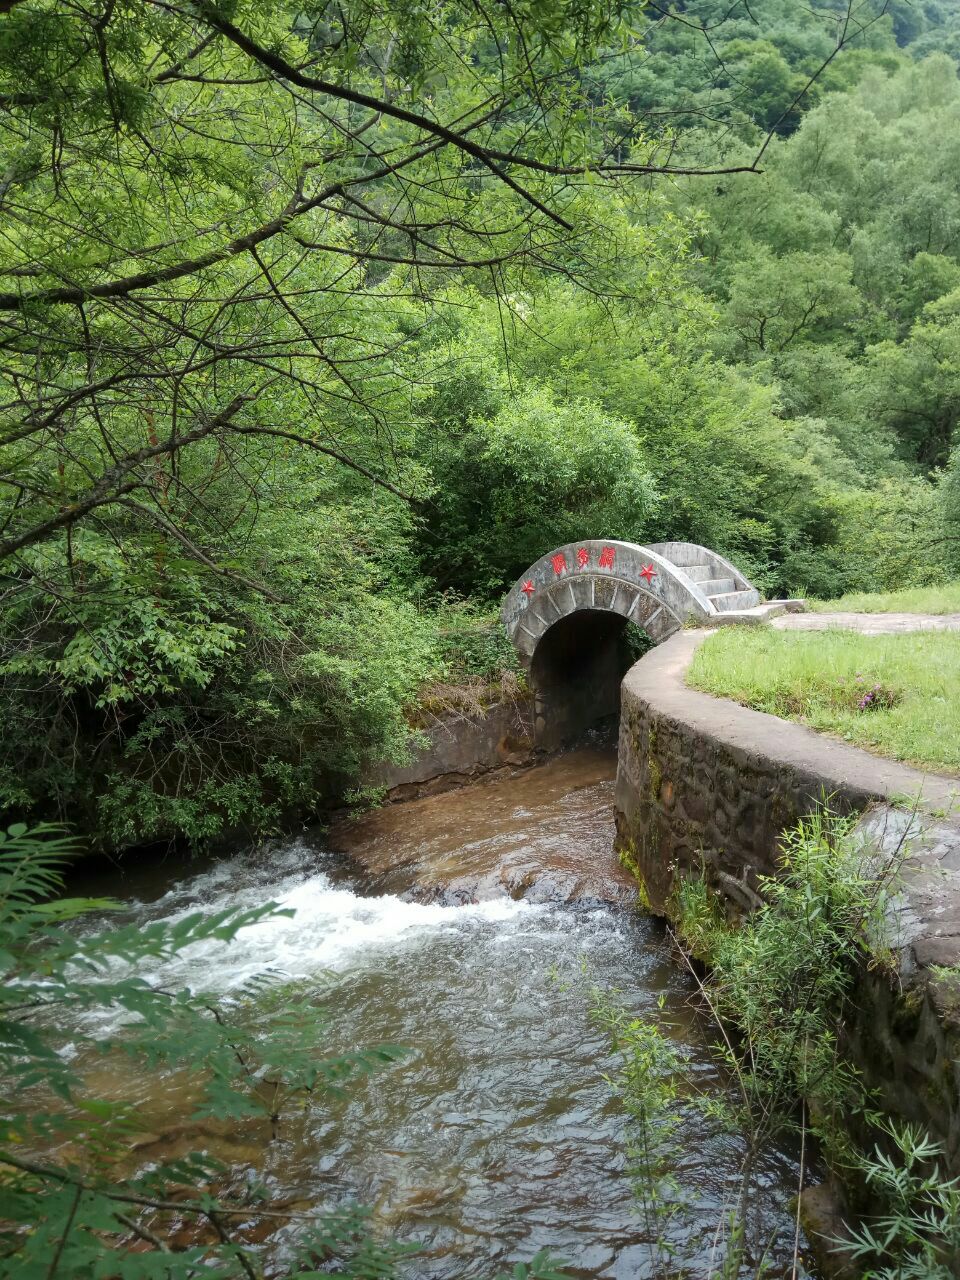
<point x="316" y="320"/>
<point x="319" y="322"/>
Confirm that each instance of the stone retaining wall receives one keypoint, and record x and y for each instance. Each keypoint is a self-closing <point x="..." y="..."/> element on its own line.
<point x="705" y="784"/>
<point x="461" y="747"/>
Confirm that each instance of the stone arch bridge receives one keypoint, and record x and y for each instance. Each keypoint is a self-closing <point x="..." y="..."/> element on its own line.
<point x="567" y="616"/>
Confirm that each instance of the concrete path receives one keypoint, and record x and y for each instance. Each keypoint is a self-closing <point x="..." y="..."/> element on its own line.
<point x="900" y="800"/>
<point x="870" y="624"/>
<point x="825" y="764"/>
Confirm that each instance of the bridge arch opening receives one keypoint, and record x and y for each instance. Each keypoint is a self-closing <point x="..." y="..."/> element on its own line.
<point x="576" y="671"/>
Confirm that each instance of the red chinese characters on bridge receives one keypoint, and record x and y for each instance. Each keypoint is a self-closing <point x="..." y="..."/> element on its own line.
<point x="605" y="560"/>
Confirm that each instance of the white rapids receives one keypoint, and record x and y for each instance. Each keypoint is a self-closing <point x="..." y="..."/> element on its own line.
<point x="331" y="929"/>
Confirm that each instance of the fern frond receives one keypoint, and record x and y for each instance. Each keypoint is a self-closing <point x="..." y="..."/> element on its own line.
<point x="31" y="859"/>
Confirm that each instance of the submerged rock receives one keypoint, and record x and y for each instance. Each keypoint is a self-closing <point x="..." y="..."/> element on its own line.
<point x="821" y="1216"/>
<point x="551" y="842"/>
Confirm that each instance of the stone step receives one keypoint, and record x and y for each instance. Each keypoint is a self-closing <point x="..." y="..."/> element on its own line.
<point x="696" y="572"/>
<point x="736" y="600"/>
<point x="717" y="586"/>
<point x="754" y="616"/>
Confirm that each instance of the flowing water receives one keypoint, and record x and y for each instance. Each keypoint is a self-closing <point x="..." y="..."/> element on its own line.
<point x="469" y="926"/>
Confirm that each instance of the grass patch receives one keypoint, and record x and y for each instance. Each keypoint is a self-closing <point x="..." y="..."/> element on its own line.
<point x="896" y="695"/>
<point x="942" y="599"/>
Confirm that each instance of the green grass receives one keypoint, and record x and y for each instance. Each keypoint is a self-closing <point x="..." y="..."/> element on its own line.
<point x="942" y="599"/>
<point x="819" y="678"/>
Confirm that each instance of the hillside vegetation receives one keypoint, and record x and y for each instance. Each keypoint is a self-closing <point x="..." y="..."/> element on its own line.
<point x="319" y="323"/>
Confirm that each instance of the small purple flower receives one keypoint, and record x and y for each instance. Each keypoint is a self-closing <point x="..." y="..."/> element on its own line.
<point x="877" y="697"/>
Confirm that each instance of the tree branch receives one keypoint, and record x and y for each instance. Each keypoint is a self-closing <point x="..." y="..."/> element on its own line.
<point x="196" y="552"/>
<point x="105" y="490"/>
<point x="286" y="71"/>
<point x="331" y="453"/>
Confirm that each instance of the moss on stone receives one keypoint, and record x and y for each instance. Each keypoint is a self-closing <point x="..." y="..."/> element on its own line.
<point x="654" y="774"/>
<point x="905" y="1014"/>
<point x="629" y="859"/>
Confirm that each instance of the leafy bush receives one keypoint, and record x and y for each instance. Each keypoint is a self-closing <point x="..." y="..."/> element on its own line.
<point x="777" y="984"/>
<point x="917" y="1237"/>
<point x="151" y="699"/>
<point x="472" y="643"/>
<point x="539" y="473"/>
<point x="476" y="664"/>
<point x="782" y="977"/>
<point x="650" y="1082"/>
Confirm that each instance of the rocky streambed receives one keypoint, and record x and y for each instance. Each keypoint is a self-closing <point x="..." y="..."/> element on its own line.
<point x="472" y="927"/>
<point x="540" y="835"/>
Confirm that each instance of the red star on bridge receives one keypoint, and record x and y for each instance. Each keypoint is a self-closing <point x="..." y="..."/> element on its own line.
<point x="528" y="588"/>
<point x="648" y="572"/>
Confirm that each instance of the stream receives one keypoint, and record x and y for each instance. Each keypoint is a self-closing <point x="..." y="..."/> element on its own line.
<point x="469" y="926"/>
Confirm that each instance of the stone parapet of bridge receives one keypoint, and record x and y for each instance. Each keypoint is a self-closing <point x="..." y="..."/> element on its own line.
<point x="660" y="588"/>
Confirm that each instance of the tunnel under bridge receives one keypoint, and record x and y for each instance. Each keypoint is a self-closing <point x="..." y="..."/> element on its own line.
<point x="568" y="618"/>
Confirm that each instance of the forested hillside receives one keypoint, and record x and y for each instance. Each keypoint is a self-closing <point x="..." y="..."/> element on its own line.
<point x="319" y="323"/>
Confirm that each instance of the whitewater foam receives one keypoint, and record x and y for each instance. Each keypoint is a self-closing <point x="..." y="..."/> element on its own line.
<point x="332" y="929"/>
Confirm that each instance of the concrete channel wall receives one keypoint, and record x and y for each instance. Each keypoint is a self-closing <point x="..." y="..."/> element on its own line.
<point x="458" y="747"/>
<point x="706" y="785"/>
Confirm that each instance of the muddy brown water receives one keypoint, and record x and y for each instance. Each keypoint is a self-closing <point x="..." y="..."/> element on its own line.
<point x="469" y="926"/>
<point x="543" y="834"/>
